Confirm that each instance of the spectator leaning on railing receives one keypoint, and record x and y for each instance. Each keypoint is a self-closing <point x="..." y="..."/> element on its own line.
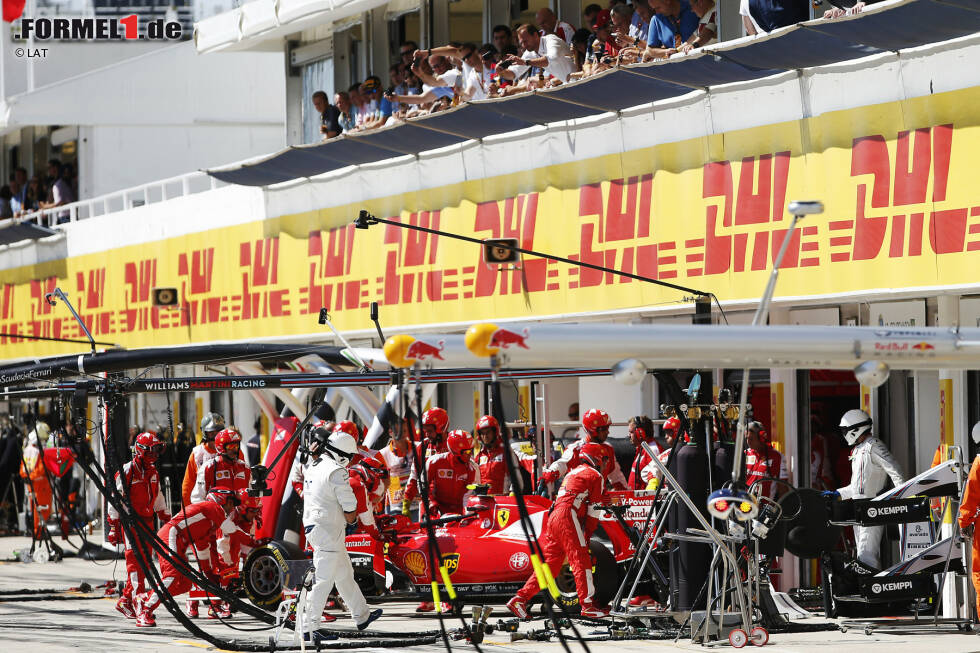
<point x="548" y="53"/>
<point x="590" y="12"/>
<point x="503" y="40"/>
<point x="60" y="192"/>
<point x="329" y="115"/>
<point x="18" y="190"/>
<point x="435" y="69"/>
<point x="475" y="79"/>
<point x="673" y="24"/>
<point x="346" y="118"/>
<point x="549" y="24"/>
<point x="640" y="23"/>
<point x="707" y="31"/>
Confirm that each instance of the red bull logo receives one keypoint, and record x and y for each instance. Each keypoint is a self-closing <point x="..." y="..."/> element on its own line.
<point x="420" y="350"/>
<point x="923" y="346"/>
<point x="504" y="338"/>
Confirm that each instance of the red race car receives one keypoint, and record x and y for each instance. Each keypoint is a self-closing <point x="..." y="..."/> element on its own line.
<point x="485" y="553"/>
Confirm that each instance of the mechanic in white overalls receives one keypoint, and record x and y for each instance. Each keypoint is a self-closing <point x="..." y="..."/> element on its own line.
<point x="871" y="466"/>
<point x="329" y="506"/>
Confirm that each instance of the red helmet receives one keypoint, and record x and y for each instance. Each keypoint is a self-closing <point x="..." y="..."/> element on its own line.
<point x="594" y="454"/>
<point x="460" y="443"/>
<point x="594" y="419"/>
<point x="246" y="501"/>
<point x="436" y="417"/>
<point x="148" y="446"/>
<point x="372" y="471"/>
<point x="223" y="496"/>
<point x="350" y="428"/>
<point x="226" y="437"/>
<point x="488" y="422"/>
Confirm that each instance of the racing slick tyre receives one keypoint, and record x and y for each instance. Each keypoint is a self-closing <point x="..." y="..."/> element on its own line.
<point x="605" y="576"/>
<point x="265" y="571"/>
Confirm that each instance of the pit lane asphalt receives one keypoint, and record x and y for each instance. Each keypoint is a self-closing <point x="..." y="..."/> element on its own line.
<point x="82" y="623"/>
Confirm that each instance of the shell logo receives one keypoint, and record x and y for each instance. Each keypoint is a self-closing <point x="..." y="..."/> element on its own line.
<point x="415" y="563"/>
<point x="404" y="350"/>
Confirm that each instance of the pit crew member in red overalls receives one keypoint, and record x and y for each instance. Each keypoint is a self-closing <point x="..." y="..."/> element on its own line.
<point x="231" y="547"/>
<point x="365" y="478"/>
<point x="139" y="482"/>
<point x="670" y="429"/>
<point x="227" y="470"/>
<point x="761" y="460"/>
<point x="194" y="526"/>
<point x="567" y="529"/>
<point x="349" y="427"/>
<point x="493" y="467"/>
<point x="450" y="473"/>
<point x="435" y="421"/>
<point x="596" y="423"/>
<point x="640" y="431"/>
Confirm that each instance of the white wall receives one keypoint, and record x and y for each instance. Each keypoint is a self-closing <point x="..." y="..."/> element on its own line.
<point x="620" y="401"/>
<point x="68" y="59"/>
<point x="124" y="156"/>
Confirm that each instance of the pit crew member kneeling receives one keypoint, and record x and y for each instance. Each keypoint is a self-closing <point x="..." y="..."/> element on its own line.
<point x="194" y="526"/>
<point x="567" y="530"/>
<point x="329" y="506"/>
<point x="232" y="546"/>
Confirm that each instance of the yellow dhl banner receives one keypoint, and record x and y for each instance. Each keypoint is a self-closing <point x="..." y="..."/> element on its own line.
<point x="898" y="181"/>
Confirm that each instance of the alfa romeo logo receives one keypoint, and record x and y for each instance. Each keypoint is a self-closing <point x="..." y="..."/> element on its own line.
<point x="519" y="561"/>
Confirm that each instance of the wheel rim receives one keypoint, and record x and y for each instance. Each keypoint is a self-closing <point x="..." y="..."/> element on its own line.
<point x="738" y="638"/>
<point x="265" y="576"/>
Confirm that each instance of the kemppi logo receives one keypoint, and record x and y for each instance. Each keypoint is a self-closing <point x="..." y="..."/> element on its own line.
<point x="504" y="338"/>
<point x="878" y="588"/>
<point x="420" y="350"/>
<point x="887" y="510"/>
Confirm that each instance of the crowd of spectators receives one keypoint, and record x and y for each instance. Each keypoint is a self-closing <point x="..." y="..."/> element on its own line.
<point x="21" y="196"/>
<point x="547" y="53"/>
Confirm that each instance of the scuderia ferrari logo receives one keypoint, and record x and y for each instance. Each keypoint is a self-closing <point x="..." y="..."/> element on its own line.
<point x="503" y="517"/>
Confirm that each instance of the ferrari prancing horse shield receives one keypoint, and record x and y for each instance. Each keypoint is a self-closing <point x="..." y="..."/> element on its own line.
<point x="503" y="517"/>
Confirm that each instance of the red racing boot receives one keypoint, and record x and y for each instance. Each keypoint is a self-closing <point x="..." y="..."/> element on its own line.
<point x="125" y="606"/>
<point x="591" y="611"/>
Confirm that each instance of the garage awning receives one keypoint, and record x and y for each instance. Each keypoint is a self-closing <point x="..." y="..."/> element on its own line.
<point x="883" y="27"/>
<point x="12" y="231"/>
<point x="264" y="24"/>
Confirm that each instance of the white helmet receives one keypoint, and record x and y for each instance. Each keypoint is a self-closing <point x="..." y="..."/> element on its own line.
<point x="975" y="433"/>
<point x="212" y="423"/>
<point x="41" y="432"/>
<point x="854" y="424"/>
<point x="342" y="447"/>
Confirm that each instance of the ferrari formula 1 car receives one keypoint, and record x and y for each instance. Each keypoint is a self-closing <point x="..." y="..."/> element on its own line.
<point x="485" y="553"/>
